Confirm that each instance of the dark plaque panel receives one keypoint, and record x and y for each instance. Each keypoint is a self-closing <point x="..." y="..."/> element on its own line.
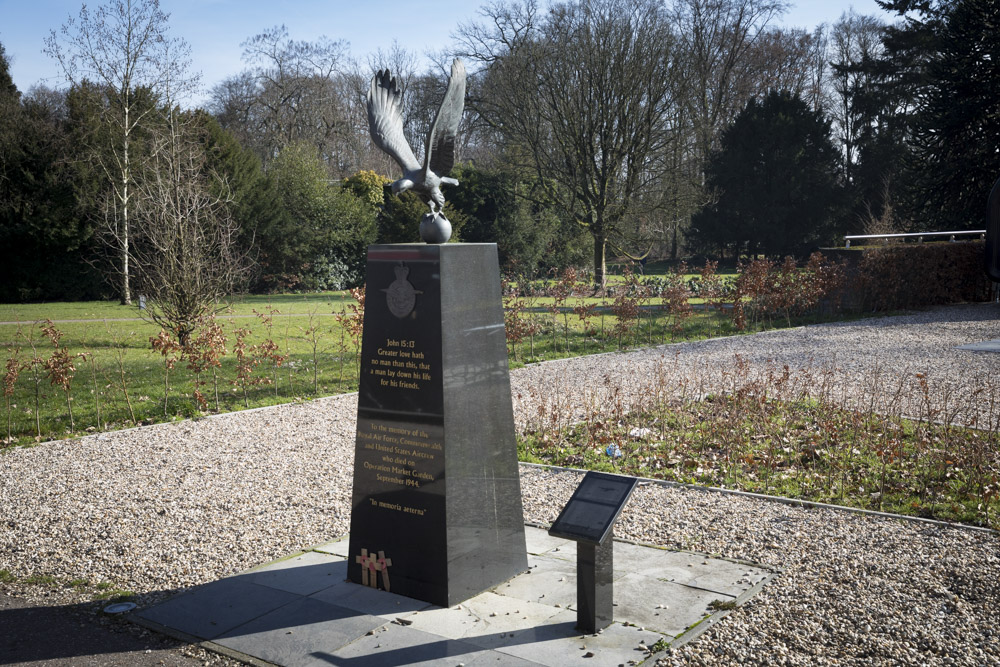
<point x="436" y="508"/>
<point x="592" y="509"/>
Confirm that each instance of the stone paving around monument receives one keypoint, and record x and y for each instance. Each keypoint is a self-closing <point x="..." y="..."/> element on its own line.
<point x="302" y="610"/>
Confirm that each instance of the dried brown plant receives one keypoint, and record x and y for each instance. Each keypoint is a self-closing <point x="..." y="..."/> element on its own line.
<point x="168" y="349"/>
<point x="204" y="352"/>
<point x="12" y="372"/>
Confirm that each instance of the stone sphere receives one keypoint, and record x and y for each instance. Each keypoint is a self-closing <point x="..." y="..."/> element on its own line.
<point x="435" y="228"/>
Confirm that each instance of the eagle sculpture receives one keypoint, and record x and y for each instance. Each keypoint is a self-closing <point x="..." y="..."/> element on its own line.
<point x="385" y="121"/>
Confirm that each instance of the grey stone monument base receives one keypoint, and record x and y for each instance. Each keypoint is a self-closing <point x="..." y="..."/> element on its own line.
<point x="300" y="611"/>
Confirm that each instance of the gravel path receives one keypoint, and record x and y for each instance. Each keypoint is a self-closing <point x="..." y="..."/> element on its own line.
<point x="849" y="362"/>
<point x="164" y="507"/>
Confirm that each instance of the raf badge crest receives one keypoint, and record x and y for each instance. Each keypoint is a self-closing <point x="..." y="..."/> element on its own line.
<point x="400" y="296"/>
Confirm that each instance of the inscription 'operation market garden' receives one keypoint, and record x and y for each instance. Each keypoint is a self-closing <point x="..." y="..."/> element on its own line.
<point x="398" y="364"/>
<point x="398" y="454"/>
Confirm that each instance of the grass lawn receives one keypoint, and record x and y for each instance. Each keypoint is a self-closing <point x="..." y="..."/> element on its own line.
<point x="299" y="304"/>
<point x="119" y="380"/>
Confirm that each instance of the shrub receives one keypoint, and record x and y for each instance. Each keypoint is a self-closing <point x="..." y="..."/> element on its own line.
<point x="766" y="289"/>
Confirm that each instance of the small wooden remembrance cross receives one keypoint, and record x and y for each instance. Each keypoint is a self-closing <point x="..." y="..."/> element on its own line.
<point x="364" y="560"/>
<point x="372" y="574"/>
<point x="383" y="566"/>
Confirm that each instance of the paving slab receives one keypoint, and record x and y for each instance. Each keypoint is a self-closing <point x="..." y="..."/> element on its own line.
<point x="486" y="619"/>
<point x="615" y="645"/>
<point x="399" y="645"/>
<point x="212" y="609"/>
<point x="689" y="569"/>
<point x="497" y="659"/>
<point x="549" y="580"/>
<point x="523" y="641"/>
<point x="374" y="602"/>
<point x="292" y="635"/>
<point x="666" y="607"/>
<point x="538" y="541"/>
<point x="301" y="611"/>
<point x="338" y="547"/>
<point x="303" y="574"/>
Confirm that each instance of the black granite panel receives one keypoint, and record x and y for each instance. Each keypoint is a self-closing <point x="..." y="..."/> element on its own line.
<point x="592" y="509"/>
<point x="401" y="344"/>
<point x="485" y="518"/>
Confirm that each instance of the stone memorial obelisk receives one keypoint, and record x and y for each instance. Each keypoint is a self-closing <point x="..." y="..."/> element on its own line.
<point x="436" y="507"/>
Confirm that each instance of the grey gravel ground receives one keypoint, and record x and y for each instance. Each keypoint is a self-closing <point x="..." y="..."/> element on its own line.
<point x="165" y="507"/>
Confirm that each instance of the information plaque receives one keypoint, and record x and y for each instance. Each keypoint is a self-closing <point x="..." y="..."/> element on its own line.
<point x="593" y="508"/>
<point x="589" y="519"/>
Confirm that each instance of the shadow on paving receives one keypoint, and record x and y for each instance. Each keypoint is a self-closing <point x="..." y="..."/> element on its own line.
<point x="405" y="649"/>
<point x="75" y="635"/>
<point x="309" y="615"/>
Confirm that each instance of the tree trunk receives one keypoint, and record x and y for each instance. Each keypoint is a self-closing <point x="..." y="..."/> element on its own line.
<point x="600" y="266"/>
<point x="123" y="239"/>
<point x="676" y="220"/>
<point x="126" y="295"/>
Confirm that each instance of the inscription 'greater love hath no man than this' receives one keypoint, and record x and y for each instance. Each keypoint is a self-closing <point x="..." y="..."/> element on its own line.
<point x="398" y="364"/>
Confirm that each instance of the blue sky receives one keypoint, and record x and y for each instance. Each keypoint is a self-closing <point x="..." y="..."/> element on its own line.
<point x="215" y="28"/>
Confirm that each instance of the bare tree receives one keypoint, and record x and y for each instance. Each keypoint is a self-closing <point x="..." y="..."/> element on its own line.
<point x="791" y="60"/>
<point x="855" y="39"/>
<point x="717" y="38"/>
<point x="293" y="91"/>
<point x="233" y="103"/>
<point x="580" y="98"/>
<point x="507" y="25"/>
<point x="682" y="188"/>
<point x="122" y="48"/>
<point x="186" y="238"/>
<point x="817" y="92"/>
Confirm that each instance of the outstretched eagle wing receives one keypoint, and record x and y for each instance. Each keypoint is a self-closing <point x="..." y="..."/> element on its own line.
<point x="385" y="121"/>
<point x="440" y="154"/>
